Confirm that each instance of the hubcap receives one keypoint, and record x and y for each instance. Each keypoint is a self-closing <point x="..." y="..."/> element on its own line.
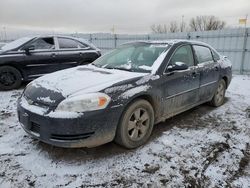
<point x="220" y="93"/>
<point x="138" y="124"/>
<point x="7" y="78"/>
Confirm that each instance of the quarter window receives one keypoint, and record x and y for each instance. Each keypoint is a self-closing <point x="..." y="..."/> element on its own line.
<point x="183" y="54"/>
<point x="65" y="43"/>
<point x="203" y="54"/>
<point x="44" y="43"/>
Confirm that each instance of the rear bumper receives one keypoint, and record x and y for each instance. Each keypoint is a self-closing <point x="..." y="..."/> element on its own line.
<point x="89" y="130"/>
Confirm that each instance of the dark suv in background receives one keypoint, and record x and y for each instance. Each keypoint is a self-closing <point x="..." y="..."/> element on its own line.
<point x="30" y="57"/>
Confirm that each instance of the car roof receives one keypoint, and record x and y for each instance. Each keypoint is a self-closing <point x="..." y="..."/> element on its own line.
<point x="170" y="42"/>
<point x="66" y="36"/>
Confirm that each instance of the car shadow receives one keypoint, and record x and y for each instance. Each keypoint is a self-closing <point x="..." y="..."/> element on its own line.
<point x="190" y="119"/>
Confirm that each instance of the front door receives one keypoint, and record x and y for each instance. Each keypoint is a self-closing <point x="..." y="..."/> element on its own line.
<point x="181" y="87"/>
<point x="42" y="59"/>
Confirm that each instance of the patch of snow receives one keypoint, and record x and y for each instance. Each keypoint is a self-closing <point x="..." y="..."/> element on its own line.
<point x="179" y="63"/>
<point x="146" y="78"/>
<point x="127" y="66"/>
<point x="87" y="78"/>
<point x="46" y="99"/>
<point x="118" y="88"/>
<point x="16" y="43"/>
<point x="134" y="91"/>
<point x="145" y="67"/>
<point x="32" y="108"/>
<point x="64" y="115"/>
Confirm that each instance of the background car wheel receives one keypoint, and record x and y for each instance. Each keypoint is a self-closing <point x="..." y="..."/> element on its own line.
<point x="136" y="125"/>
<point x="219" y="95"/>
<point x="10" y="78"/>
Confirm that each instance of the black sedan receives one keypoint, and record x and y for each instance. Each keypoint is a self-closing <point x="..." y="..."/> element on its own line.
<point x="123" y="94"/>
<point x="30" y="57"/>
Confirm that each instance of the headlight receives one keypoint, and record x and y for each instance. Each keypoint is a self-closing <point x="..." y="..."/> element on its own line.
<point x="83" y="103"/>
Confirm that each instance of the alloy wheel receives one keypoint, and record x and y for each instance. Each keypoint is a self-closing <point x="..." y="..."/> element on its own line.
<point x="138" y="124"/>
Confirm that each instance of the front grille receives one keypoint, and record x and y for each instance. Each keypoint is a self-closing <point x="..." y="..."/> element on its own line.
<point x="71" y="137"/>
<point x="35" y="127"/>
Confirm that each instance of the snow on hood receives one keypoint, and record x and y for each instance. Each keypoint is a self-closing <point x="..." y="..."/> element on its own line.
<point x="84" y="79"/>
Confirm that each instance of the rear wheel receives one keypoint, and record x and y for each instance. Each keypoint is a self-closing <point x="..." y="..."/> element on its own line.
<point x="10" y="78"/>
<point x="136" y="125"/>
<point x="219" y="96"/>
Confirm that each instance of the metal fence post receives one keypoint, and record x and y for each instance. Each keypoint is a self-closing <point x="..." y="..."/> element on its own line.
<point x="90" y="38"/>
<point x="115" y="40"/>
<point x="148" y="37"/>
<point x="244" y="50"/>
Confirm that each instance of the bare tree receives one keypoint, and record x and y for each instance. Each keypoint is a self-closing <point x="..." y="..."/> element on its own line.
<point x="182" y="26"/>
<point x="159" y="28"/>
<point x="206" y="23"/>
<point x="173" y="27"/>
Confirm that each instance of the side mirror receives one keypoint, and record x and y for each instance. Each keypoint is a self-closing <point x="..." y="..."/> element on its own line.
<point x="177" y="66"/>
<point x="27" y="49"/>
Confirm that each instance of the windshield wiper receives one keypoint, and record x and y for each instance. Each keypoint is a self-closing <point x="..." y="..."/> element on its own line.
<point x="96" y="65"/>
<point x="119" y="68"/>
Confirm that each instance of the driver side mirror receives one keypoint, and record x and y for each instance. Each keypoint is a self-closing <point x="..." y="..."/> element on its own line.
<point x="177" y="66"/>
<point x="27" y="49"/>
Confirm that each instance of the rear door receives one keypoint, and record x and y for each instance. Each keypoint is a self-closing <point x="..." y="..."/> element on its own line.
<point x="181" y="87"/>
<point x="71" y="52"/>
<point x="208" y="68"/>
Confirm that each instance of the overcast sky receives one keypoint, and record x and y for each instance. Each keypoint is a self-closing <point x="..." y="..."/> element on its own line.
<point x="128" y="16"/>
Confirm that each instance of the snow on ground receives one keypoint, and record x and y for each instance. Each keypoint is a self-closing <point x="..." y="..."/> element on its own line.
<point x="204" y="147"/>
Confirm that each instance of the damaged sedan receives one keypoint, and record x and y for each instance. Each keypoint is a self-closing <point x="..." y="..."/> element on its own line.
<point x="123" y="94"/>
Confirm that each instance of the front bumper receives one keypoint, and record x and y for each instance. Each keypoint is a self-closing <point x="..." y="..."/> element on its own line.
<point x="89" y="130"/>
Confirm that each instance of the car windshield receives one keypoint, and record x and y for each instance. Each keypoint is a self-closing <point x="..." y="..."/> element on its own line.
<point x="138" y="57"/>
<point x="16" y="43"/>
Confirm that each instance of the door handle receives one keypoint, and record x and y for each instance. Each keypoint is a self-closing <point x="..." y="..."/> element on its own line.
<point x="216" y="68"/>
<point x="53" y="55"/>
<point x="81" y="54"/>
<point x="194" y="74"/>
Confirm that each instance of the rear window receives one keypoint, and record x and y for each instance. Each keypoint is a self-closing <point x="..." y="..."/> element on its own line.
<point x="65" y="43"/>
<point x="203" y="54"/>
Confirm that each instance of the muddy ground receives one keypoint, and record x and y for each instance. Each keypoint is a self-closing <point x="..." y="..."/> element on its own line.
<point x="203" y="147"/>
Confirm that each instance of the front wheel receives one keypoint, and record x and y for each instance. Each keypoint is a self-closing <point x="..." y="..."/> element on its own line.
<point x="136" y="125"/>
<point x="10" y="78"/>
<point x="219" y="96"/>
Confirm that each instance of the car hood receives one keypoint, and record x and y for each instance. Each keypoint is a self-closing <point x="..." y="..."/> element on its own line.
<point x="56" y="86"/>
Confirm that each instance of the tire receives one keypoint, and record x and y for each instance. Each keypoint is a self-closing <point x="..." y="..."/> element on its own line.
<point x="219" y="96"/>
<point x="135" y="125"/>
<point x="10" y="78"/>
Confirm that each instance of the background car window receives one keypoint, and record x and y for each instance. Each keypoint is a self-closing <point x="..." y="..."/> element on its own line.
<point x="183" y="54"/>
<point x="69" y="43"/>
<point x="203" y="54"/>
<point x="44" y="43"/>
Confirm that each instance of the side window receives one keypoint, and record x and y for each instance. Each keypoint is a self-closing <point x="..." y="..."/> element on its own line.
<point x="203" y="54"/>
<point x="183" y="54"/>
<point x="44" y="43"/>
<point x="65" y="43"/>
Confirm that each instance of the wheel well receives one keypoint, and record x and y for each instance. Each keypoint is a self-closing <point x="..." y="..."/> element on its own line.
<point x="226" y="80"/>
<point x="15" y="68"/>
<point x="147" y="98"/>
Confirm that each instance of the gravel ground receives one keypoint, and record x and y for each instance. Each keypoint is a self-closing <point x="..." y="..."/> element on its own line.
<point x="203" y="147"/>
